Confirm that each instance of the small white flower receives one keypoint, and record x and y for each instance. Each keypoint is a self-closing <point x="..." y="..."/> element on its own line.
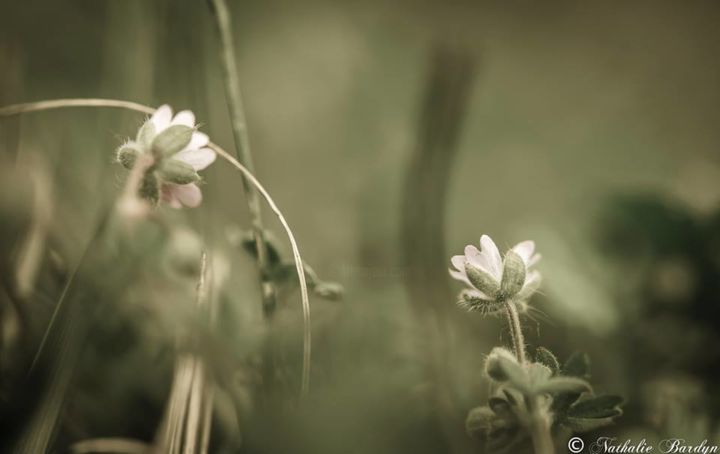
<point x="174" y="173"/>
<point x="491" y="280"/>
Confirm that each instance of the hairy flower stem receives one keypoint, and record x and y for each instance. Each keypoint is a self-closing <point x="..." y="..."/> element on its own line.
<point x="540" y="428"/>
<point x="242" y="146"/>
<point x="516" y="333"/>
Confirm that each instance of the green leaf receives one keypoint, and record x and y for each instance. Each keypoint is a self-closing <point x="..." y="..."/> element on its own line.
<point x="171" y="140"/>
<point x="271" y="247"/>
<point x="605" y="406"/>
<point x="546" y="357"/>
<point x="580" y="425"/>
<point x="558" y="385"/>
<point x="513" y="276"/>
<point x="178" y="172"/>
<point x="563" y="401"/>
<point x="577" y="365"/>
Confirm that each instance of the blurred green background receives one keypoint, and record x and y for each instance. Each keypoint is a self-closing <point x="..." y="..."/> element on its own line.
<point x="590" y="128"/>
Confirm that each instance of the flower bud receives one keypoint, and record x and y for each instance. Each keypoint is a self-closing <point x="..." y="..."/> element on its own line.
<point x="127" y="154"/>
<point x="501" y="364"/>
<point x="513" y="274"/>
<point x="177" y="172"/>
<point x="171" y="140"/>
<point x="482" y="280"/>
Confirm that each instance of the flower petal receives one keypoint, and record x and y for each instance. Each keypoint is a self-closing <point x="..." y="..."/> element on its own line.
<point x="188" y="194"/>
<point x="490" y="251"/>
<point x="458" y="261"/>
<point x="532" y="283"/>
<point x="197" y="158"/>
<point x="460" y="276"/>
<point x="525" y="250"/>
<point x="482" y="262"/>
<point x="198" y="140"/>
<point x="161" y="118"/>
<point x="184" y="117"/>
<point x="533" y="260"/>
<point x="167" y="195"/>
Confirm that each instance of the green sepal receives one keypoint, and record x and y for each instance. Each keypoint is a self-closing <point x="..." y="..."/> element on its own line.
<point x="145" y="135"/>
<point x="513" y="277"/>
<point x="482" y="280"/>
<point x="178" y="172"/>
<point x="171" y="140"/>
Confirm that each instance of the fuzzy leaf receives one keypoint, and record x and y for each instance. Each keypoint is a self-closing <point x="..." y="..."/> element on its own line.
<point x="171" y="140"/>
<point x="578" y="365"/>
<point x="580" y="425"/>
<point x="605" y="406"/>
<point x="557" y="385"/>
<point x="546" y="357"/>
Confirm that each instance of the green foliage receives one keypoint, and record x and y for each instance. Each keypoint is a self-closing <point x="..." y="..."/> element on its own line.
<point x="563" y="390"/>
<point x="546" y="357"/>
<point x="282" y="272"/>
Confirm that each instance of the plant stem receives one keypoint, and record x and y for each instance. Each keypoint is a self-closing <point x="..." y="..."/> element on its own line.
<point x="515" y="331"/>
<point x="242" y="146"/>
<point x="540" y="428"/>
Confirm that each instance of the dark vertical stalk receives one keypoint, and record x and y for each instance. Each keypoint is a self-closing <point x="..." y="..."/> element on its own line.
<point x="242" y="144"/>
<point x="448" y="89"/>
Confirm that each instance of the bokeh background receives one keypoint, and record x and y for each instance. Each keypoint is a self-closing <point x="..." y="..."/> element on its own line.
<point x="391" y="134"/>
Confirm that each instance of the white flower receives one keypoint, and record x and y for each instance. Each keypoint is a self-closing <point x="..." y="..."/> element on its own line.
<point x="174" y="173"/>
<point x="491" y="280"/>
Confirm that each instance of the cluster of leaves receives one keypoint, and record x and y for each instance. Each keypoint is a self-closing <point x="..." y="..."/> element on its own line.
<point x="562" y="393"/>
<point x="282" y="271"/>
